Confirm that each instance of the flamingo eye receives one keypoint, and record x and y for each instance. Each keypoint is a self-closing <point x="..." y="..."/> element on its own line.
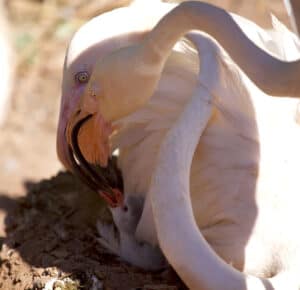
<point x="82" y="77"/>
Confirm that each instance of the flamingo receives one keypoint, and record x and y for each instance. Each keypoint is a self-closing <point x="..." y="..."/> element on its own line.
<point x="237" y="180"/>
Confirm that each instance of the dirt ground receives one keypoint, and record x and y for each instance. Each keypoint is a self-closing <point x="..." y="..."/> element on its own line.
<point x="47" y="227"/>
<point x="51" y="235"/>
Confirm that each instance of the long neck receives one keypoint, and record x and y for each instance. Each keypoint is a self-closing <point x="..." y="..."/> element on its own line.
<point x="272" y="75"/>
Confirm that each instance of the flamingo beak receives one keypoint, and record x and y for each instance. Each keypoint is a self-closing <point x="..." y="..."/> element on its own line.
<point x="88" y="136"/>
<point x="86" y="144"/>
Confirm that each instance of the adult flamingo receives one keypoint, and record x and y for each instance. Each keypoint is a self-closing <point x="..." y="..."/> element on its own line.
<point x="237" y="147"/>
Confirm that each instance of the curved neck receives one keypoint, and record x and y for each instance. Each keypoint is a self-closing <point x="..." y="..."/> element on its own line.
<point x="273" y="76"/>
<point x="179" y="237"/>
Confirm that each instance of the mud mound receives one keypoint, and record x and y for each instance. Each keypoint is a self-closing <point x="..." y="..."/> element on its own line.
<point x="52" y="243"/>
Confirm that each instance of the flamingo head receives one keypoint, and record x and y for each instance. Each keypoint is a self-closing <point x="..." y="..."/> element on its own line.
<point x="105" y="78"/>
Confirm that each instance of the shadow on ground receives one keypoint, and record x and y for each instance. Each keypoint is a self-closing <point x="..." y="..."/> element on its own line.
<point x="51" y="234"/>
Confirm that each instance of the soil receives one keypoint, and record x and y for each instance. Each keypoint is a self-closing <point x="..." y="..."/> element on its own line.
<point x="51" y="236"/>
<point x="47" y="227"/>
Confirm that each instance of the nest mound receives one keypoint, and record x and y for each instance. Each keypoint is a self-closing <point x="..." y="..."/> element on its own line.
<point x="51" y="243"/>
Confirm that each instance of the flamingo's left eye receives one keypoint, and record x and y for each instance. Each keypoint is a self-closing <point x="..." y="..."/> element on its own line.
<point x="82" y="77"/>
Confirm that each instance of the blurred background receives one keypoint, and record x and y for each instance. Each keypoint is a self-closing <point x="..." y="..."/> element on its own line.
<point x="38" y="32"/>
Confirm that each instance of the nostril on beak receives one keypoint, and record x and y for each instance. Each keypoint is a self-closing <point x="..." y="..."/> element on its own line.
<point x="78" y="112"/>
